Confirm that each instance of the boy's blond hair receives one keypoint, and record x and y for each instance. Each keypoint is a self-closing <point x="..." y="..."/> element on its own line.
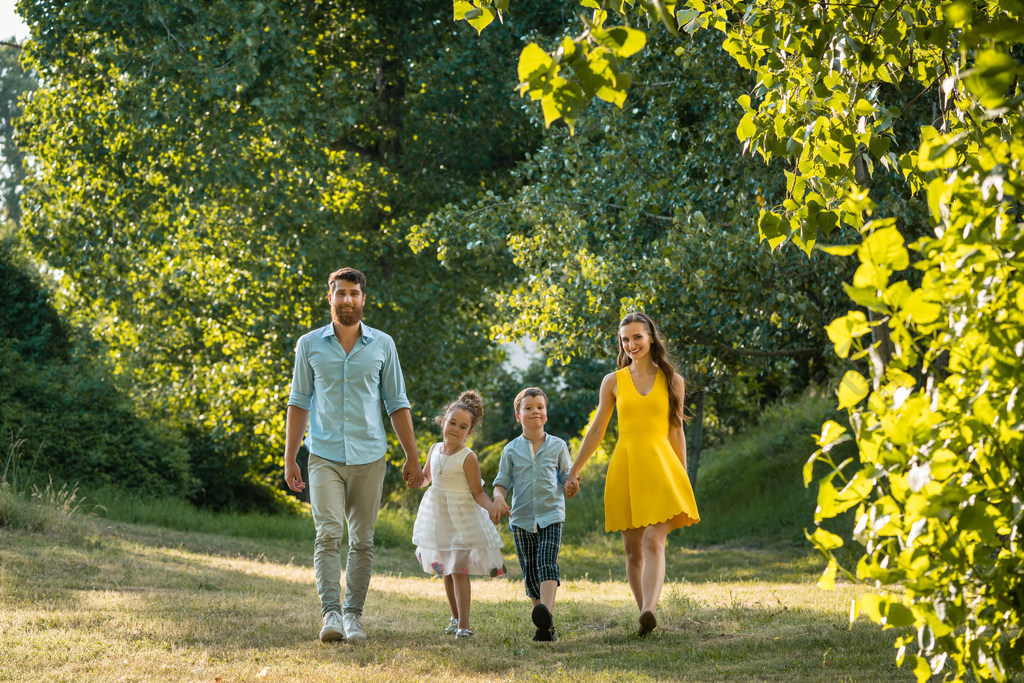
<point x="529" y="391"/>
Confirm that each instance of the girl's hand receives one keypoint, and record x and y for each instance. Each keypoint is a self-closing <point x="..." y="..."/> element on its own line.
<point x="572" y="485"/>
<point x="499" y="508"/>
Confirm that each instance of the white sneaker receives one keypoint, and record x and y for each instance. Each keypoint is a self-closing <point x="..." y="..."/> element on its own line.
<point x="354" y="626"/>
<point x="332" y="629"/>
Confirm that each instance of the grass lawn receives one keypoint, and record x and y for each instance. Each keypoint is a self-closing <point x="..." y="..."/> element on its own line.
<point x="111" y="601"/>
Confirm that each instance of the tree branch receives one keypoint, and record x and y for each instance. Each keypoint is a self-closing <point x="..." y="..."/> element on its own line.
<point x="754" y="353"/>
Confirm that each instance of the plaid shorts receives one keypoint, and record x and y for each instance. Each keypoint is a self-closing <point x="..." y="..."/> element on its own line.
<point x="538" y="556"/>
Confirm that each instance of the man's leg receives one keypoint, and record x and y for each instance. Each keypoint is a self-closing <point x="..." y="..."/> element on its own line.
<point x="327" y="502"/>
<point x="364" y="486"/>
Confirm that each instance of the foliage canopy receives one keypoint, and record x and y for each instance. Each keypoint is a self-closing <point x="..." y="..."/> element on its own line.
<point x="934" y="404"/>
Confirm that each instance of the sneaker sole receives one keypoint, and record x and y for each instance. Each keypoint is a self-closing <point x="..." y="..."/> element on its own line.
<point x="544" y="622"/>
<point x="331" y="636"/>
<point x="542" y="617"/>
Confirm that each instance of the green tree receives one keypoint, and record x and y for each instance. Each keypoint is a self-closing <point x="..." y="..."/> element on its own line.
<point x="651" y="210"/>
<point x="199" y="168"/>
<point x="14" y="84"/>
<point x="934" y="409"/>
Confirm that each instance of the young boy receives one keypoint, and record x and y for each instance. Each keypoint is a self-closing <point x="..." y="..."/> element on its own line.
<point x="535" y="465"/>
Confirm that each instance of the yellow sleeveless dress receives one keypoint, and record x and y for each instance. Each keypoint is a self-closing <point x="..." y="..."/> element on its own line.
<point x="646" y="483"/>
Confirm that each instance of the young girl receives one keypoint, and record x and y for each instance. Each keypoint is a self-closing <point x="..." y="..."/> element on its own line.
<point x="453" y="534"/>
<point x="647" y="492"/>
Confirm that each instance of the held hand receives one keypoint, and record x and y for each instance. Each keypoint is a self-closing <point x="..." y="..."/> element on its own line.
<point x="572" y="485"/>
<point x="293" y="477"/>
<point x="498" y="510"/>
<point x="412" y="473"/>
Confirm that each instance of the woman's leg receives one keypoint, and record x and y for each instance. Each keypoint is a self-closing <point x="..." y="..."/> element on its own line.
<point x="653" y="572"/>
<point x="449" y="590"/>
<point x="632" y="541"/>
<point x="462" y="597"/>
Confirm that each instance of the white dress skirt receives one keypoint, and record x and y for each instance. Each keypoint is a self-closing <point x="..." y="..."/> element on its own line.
<point x="452" y="533"/>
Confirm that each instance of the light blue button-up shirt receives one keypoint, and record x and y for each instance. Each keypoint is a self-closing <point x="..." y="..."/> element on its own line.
<point x="343" y="393"/>
<point x="536" y="481"/>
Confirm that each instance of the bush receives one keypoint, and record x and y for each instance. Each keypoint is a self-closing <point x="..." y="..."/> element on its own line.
<point x="750" y="488"/>
<point x="80" y="425"/>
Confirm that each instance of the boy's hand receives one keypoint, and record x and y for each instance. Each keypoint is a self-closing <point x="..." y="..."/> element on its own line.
<point x="499" y="508"/>
<point x="572" y="485"/>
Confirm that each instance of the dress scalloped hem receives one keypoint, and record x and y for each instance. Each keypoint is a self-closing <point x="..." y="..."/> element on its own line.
<point x="677" y="522"/>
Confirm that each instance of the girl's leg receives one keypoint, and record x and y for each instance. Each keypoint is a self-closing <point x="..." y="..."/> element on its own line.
<point x="632" y="542"/>
<point x="462" y="597"/>
<point x="653" y="573"/>
<point x="449" y="590"/>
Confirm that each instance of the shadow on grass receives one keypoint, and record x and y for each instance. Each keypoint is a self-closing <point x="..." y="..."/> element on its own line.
<point x="188" y="594"/>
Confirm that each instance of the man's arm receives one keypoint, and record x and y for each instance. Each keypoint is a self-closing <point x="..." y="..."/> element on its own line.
<point x="401" y="421"/>
<point x="295" y="429"/>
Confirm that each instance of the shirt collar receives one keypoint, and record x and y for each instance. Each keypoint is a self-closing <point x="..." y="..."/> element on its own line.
<point x="367" y="333"/>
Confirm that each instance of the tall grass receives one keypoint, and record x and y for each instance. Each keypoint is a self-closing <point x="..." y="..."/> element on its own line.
<point x="50" y="509"/>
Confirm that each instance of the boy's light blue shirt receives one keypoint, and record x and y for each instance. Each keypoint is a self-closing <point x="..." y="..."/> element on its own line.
<point x="343" y="393"/>
<point x="535" y="481"/>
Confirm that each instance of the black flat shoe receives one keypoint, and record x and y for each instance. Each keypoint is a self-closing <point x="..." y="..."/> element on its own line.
<point x="648" y="622"/>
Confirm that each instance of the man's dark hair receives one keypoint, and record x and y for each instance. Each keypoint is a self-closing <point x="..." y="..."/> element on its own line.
<point x="349" y="275"/>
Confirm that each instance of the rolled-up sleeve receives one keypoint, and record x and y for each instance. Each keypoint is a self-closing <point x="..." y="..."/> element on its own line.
<point x="301" y="394"/>
<point x="504" y="478"/>
<point x="392" y="382"/>
<point x="564" y="465"/>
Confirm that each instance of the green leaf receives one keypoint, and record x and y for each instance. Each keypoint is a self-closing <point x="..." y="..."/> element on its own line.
<point x="837" y="249"/>
<point x="533" y="61"/>
<point x="746" y="128"/>
<point x="993" y="75"/>
<point x="772" y="228"/>
<point x="939" y="153"/>
<point x="853" y="388"/>
<point x="842" y="331"/>
<point x="897" y="615"/>
<point x="621" y="40"/>
<point x="884" y="247"/>
<point x="828" y="577"/>
<point x="483" y="19"/>
<point x="826" y="540"/>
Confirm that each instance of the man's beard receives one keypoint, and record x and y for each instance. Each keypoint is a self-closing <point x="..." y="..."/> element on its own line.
<point x="348" y="315"/>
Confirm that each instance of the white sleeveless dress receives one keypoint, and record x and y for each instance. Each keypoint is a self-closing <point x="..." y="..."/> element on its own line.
<point x="452" y="533"/>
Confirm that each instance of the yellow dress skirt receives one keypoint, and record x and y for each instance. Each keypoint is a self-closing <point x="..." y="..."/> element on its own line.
<point x="646" y="483"/>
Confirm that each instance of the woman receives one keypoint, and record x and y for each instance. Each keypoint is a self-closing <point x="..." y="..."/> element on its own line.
<point x="647" y="492"/>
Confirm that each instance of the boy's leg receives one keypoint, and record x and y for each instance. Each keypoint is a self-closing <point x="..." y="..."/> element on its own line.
<point x="526" y="549"/>
<point x="549" y="542"/>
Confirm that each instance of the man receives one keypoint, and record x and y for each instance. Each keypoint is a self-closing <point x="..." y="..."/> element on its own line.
<point x="342" y="373"/>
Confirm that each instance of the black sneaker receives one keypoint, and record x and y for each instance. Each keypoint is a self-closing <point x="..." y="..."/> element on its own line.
<point x="543" y="621"/>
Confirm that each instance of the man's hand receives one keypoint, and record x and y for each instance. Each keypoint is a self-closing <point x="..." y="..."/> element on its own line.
<point x="293" y="477"/>
<point x="412" y="473"/>
<point x="572" y="485"/>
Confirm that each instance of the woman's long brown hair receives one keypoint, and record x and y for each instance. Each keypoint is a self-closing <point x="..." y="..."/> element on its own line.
<point x="659" y="354"/>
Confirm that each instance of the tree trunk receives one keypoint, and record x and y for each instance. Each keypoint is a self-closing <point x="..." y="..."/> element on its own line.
<point x="695" y="442"/>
